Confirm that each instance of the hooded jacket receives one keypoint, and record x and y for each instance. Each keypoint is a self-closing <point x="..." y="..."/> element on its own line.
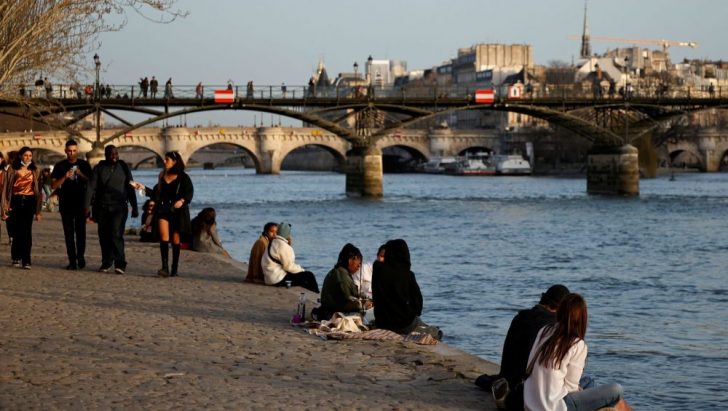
<point x="397" y="296"/>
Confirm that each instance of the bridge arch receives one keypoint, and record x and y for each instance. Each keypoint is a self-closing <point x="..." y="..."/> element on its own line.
<point x="675" y="153"/>
<point x="245" y="148"/>
<point x="284" y="142"/>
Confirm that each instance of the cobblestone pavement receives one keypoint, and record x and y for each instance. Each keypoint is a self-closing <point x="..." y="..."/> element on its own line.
<point x="204" y="340"/>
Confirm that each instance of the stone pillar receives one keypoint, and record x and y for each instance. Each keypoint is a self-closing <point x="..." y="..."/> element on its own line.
<point x="440" y="140"/>
<point x="364" y="172"/>
<point x="613" y="171"/>
<point x="706" y="143"/>
<point x="269" y="143"/>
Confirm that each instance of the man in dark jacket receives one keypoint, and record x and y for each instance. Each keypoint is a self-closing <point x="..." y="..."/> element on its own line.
<point x="521" y="335"/>
<point x="108" y="194"/>
<point x="70" y="179"/>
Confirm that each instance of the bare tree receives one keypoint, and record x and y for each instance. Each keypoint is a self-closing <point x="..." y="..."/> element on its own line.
<point x="53" y="36"/>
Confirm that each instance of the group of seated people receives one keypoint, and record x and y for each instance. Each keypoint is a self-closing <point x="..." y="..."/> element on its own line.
<point x="387" y="286"/>
<point x="543" y="359"/>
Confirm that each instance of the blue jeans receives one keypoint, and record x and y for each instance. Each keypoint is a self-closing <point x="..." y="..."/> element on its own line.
<point x="592" y="399"/>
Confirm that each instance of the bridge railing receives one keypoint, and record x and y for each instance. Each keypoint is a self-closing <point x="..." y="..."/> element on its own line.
<point x="556" y="92"/>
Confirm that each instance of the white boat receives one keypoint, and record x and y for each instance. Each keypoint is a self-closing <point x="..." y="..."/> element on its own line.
<point x="512" y="165"/>
<point x="477" y="164"/>
<point x="438" y="165"/>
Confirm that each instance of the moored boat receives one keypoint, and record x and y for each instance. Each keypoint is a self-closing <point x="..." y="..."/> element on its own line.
<point x="477" y="164"/>
<point x="512" y="165"/>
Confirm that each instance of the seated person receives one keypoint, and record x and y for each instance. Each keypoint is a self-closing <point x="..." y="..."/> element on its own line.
<point x="255" y="271"/>
<point x="279" y="263"/>
<point x="204" y="233"/>
<point x="397" y="296"/>
<point x="148" y="232"/>
<point x="522" y="334"/>
<point x="339" y="293"/>
<point x="363" y="277"/>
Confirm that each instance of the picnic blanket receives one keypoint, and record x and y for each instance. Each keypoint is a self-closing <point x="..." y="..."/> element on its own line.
<point x="343" y="327"/>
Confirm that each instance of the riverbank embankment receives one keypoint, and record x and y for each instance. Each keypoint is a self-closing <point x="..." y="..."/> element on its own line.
<point x="204" y="340"/>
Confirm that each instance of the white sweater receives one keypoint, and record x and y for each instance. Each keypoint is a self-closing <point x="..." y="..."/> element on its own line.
<point x="545" y="388"/>
<point x="283" y="252"/>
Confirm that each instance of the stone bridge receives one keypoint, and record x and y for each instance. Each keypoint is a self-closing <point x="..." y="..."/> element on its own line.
<point x="267" y="146"/>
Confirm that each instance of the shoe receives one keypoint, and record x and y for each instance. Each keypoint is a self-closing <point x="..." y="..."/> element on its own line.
<point x="119" y="270"/>
<point x="81" y="263"/>
<point x="71" y="267"/>
<point x="163" y="273"/>
<point x="104" y="268"/>
<point x="26" y="266"/>
<point x="500" y="393"/>
<point x="16" y="263"/>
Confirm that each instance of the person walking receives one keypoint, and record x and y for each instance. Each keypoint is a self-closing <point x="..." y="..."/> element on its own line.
<point x="144" y="85"/>
<point x="168" y="89"/>
<point x="70" y="180"/>
<point x="171" y="200"/>
<point x="21" y="203"/>
<point x="108" y="193"/>
<point x="198" y="90"/>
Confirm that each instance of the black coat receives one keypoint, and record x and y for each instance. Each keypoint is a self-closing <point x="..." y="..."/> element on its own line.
<point x="186" y="191"/>
<point x="519" y="340"/>
<point x="396" y="294"/>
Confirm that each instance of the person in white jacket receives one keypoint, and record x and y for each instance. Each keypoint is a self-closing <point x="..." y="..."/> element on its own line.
<point x="279" y="263"/>
<point x="556" y="362"/>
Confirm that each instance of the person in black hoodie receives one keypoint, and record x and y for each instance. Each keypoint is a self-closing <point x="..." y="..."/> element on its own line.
<point x="396" y="294"/>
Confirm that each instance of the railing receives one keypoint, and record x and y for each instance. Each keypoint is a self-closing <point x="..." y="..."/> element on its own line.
<point x="553" y="92"/>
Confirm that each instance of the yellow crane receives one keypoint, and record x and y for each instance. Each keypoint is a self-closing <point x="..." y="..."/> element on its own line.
<point x="665" y="44"/>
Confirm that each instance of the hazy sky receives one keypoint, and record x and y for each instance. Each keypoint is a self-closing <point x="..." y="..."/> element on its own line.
<point x="274" y="41"/>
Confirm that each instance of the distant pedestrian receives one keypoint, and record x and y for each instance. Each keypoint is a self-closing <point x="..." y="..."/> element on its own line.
<point x="70" y="180"/>
<point x="110" y="190"/>
<point x="312" y="86"/>
<point x="198" y="90"/>
<point x="21" y="203"/>
<point x="38" y="87"/>
<point x="249" y="89"/>
<point x="108" y="91"/>
<point x="48" y="88"/>
<point x="168" y="89"/>
<point x="144" y="85"/>
<point x="711" y="90"/>
<point x="284" y="90"/>
<point x="171" y="199"/>
<point x="153" y="86"/>
<point x="22" y="89"/>
<point x="612" y="88"/>
<point x="230" y="85"/>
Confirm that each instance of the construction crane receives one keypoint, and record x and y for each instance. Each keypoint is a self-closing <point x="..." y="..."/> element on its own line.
<point x="665" y="44"/>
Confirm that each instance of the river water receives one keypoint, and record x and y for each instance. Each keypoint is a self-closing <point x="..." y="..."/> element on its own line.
<point x="652" y="268"/>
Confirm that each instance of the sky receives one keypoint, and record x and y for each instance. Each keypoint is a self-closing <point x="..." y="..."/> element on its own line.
<point x="275" y="41"/>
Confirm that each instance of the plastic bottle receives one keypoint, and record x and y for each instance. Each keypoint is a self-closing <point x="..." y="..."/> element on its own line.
<point x="301" y="310"/>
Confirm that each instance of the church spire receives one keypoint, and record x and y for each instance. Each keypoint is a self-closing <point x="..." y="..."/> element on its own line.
<point x="585" y="44"/>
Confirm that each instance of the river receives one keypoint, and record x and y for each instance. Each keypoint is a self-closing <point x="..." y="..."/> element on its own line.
<point x="651" y="268"/>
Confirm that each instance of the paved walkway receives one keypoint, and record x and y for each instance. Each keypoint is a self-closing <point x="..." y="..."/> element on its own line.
<point x="204" y="340"/>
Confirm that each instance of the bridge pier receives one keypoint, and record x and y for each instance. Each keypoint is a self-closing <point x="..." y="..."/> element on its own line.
<point x="613" y="171"/>
<point x="364" y="172"/>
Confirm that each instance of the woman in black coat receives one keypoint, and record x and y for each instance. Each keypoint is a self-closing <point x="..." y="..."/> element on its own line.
<point x="397" y="296"/>
<point x="171" y="199"/>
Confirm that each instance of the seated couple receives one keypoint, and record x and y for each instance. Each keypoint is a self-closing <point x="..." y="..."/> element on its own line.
<point x="396" y="295"/>
<point x="279" y="263"/>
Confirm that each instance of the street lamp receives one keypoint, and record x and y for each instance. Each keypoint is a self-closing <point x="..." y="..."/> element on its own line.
<point x="356" y="70"/>
<point x="97" y="62"/>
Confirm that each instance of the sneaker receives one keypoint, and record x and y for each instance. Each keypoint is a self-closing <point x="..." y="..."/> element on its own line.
<point x="119" y="270"/>
<point x="104" y="268"/>
<point x="26" y="266"/>
<point x="16" y="263"/>
<point x="500" y="393"/>
<point x="71" y="267"/>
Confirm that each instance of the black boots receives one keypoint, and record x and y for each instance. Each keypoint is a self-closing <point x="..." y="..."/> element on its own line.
<point x="175" y="259"/>
<point x="164" y="252"/>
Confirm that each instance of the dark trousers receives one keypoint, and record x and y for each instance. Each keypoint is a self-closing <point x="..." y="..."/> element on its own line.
<point x="305" y="279"/>
<point x="22" y="214"/>
<point x="74" y="230"/>
<point x="111" y="222"/>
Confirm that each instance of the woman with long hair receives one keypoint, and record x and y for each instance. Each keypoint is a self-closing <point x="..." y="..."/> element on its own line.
<point x="171" y="201"/>
<point x="21" y="203"/>
<point x="204" y="233"/>
<point x="556" y="363"/>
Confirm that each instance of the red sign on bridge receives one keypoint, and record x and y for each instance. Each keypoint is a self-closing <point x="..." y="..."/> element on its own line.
<point x="485" y="96"/>
<point x="224" y="96"/>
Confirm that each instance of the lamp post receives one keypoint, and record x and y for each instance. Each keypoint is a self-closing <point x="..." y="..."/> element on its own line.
<point x="356" y="70"/>
<point x="97" y="62"/>
<point x="626" y="104"/>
